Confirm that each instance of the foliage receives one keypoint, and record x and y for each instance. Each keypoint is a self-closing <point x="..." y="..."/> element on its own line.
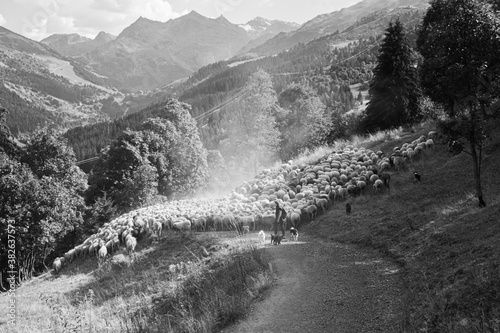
<point x="166" y="157"/>
<point x="394" y="89"/>
<point x="217" y="169"/>
<point x="462" y="73"/>
<point x="7" y="145"/>
<point x="48" y="155"/>
<point x="306" y="122"/>
<point x="42" y="210"/>
<point x="252" y="133"/>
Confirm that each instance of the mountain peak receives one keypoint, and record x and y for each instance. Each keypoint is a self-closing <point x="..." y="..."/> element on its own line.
<point x="222" y="19"/>
<point x="104" y="37"/>
<point x="195" y="13"/>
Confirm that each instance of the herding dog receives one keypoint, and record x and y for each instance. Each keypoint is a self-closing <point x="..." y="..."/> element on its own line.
<point x="276" y="239"/>
<point x="294" y="234"/>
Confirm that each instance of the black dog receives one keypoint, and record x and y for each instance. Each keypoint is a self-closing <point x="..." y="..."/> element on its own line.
<point x="417" y="177"/>
<point x="348" y="208"/>
<point x="276" y="239"/>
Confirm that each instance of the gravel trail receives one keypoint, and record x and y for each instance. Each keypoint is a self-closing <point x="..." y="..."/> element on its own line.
<point x="326" y="287"/>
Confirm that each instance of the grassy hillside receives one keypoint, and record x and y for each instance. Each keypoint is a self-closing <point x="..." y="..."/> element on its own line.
<point x="167" y="286"/>
<point x="447" y="247"/>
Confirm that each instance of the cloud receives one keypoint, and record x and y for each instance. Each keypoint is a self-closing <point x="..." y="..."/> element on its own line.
<point x="89" y="17"/>
<point x="3" y="21"/>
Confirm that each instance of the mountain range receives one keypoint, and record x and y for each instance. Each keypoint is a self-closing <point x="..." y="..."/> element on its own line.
<point x="69" y="80"/>
<point x="74" y="45"/>
<point x="156" y="53"/>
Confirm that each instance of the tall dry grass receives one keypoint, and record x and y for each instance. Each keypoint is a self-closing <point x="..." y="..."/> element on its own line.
<point x="167" y="288"/>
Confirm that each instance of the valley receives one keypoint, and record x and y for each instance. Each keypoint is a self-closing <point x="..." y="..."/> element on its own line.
<point x="156" y="157"/>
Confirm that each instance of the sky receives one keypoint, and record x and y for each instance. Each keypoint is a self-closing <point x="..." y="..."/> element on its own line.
<point x="37" y="19"/>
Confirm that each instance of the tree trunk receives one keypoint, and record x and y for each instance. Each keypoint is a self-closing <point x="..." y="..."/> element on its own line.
<point x="475" y="158"/>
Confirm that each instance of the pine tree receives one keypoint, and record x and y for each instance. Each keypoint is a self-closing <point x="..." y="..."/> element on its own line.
<point x="394" y="90"/>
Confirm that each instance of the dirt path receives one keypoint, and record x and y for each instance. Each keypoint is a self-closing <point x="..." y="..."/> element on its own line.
<point x="326" y="287"/>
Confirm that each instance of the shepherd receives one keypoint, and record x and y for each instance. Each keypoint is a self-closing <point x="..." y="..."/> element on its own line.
<point x="280" y="219"/>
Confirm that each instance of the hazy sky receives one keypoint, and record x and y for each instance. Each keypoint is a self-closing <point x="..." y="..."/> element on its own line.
<point x="37" y="19"/>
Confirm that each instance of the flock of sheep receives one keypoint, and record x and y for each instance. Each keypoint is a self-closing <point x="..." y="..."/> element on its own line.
<point x="303" y="191"/>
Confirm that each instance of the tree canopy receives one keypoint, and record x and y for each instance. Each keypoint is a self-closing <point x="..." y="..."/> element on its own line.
<point x="394" y="89"/>
<point x="305" y="124"/>
<point x="252" y="134"/>
<point x="165" y="157"/>
<point x="459" y="41"/>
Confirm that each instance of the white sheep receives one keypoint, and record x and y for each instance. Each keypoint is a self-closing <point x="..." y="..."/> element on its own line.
<point x="321" y="203"/>
<point x="102" y="254"/>
<point x="429" y="144"/>
<point x="131" y="244"/>
<point x="262" y="236"/>
<point x="57" y="265"/>
<point x="377" y="185"/>
<point x="157" y="228"/>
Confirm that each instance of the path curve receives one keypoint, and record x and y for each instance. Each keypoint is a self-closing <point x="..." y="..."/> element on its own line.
<point x="326" y="287"/>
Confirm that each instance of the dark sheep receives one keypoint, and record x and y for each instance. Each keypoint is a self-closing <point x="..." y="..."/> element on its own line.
<point x="348" y="208"/>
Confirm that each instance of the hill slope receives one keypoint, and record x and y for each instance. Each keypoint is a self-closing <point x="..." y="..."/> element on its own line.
<point x="41" y="87"/>
<point x="447" y="249"/>
<point x="74" y="45"/>
<point x="333" y="22"/>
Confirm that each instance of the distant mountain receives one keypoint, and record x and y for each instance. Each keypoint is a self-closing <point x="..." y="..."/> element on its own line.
<point x="148" y="54"/>
<point x="329" y="23"/>
<point x="40" y="87"/>
<point x="260" y="26"/>
<point x="261" y="30"/>
<point x="74" y="45"/>
<point x="9" y="40"/>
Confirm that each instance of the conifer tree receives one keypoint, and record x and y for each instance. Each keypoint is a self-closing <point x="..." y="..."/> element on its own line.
<point x="394" y="89"/>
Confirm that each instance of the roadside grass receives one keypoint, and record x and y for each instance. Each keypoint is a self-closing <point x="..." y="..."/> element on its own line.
<point x="167" y="287"/>
<point x="448" y="248"/>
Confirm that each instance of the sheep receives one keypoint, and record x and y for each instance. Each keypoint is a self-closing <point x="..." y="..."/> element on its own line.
<point x="246" y="221"/>
<point x="182" y="225"/>
<point x="57" y="265"/>
<point x="199" y="224"/>
<point x="377" y="185"/>
<point x="157" y="228"/>
<point x="262" y="236"/>
<point x="131" y="244"/>
<point x="353" y="190"/>
<point x="362" y="185"/>
<point x="70" y="255"/>
<point x="311" y="211"/>
<point x="229" y="222"/>
<point x="321" y="203"/>
<point x="218" y="223"/>
<point x="429" y="144"/>
<point x="398" y="162"/>
<point x="102" y="254"/>
<point x="267" y="221"/>
<point x="293" y="219"/>
<point x="386" y="178"/>
<point x="246" y="230"/>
